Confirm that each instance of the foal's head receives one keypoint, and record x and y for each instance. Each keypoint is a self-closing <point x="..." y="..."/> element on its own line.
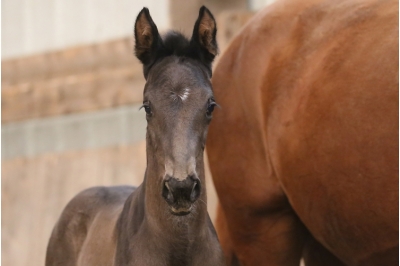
<point x="179" y="102"/>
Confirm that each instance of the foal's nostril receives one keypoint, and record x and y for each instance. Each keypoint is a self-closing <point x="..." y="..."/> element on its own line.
<point x="194" y="195"/>
<point x="175" y="191"/>
<point x="167" y="193"/>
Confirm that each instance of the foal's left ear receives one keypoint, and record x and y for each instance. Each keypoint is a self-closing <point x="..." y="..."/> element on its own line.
<point x="204" y="35"/>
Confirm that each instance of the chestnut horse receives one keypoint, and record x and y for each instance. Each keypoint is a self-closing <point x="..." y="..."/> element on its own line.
<point x="304" y="152"/>
<point x="164" y="221"/>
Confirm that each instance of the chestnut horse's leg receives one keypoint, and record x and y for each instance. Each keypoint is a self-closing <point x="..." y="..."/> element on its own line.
<point x="315" y="254"/>
<point x="255" y="221"/>
<point x="270" y="239"/>
<point x="224" y="238"/>
<point x="273" y="238"/>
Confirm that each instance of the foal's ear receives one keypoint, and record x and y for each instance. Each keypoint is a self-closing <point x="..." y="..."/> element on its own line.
<point x="147" y="38"/>
<point x="204" y="35"/>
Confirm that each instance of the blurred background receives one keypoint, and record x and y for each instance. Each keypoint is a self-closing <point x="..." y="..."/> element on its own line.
<point x="71" y="90"/>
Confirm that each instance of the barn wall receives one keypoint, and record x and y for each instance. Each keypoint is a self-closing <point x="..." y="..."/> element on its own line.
<point x="70" y="120"/>
<point x="36" y="26"/>
<point x="64" y="129"/>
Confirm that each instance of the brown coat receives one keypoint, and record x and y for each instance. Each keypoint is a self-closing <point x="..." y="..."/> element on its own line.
<point x="304" y="151"/>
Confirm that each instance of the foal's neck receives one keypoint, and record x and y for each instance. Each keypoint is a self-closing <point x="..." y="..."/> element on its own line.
<point x="148" y="212"/>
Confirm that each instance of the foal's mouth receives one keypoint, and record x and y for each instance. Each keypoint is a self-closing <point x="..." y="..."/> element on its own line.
<point x="181" y="211"/>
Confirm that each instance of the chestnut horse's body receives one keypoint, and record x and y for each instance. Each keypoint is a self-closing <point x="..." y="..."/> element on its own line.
<point x="304" y="152"/>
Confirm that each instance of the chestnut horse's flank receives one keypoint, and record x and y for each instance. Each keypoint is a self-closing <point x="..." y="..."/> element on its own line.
<point x="304" y="152"/>
<point x="164" y="221"/>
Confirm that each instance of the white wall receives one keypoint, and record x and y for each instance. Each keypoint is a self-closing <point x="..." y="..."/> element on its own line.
<point x="34" y="26"/>
<point x="258" y="4"/>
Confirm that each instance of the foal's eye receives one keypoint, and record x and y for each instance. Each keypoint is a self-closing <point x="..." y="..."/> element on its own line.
<point x="210" y="107"/>
<point x="146" y="107"/>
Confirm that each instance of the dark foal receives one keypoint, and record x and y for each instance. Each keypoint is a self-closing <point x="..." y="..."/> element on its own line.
<point x="164" y="221"/>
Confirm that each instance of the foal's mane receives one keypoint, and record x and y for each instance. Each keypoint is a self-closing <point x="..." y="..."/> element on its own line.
<point x="174" y="43"/>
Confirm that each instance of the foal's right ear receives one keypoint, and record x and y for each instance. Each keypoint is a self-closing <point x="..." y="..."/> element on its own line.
<point x="147" y="38"/>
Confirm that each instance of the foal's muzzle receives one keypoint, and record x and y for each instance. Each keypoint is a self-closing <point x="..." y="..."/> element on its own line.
<point x="180" y="195"/>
